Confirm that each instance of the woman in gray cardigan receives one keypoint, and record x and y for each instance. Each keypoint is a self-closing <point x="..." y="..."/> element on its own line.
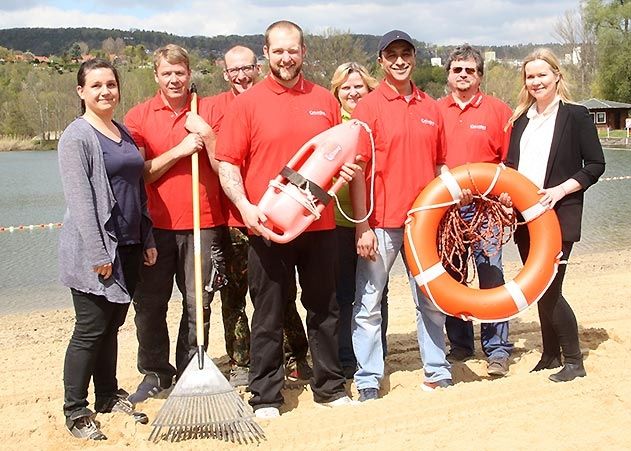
<point x="105" y="239"/>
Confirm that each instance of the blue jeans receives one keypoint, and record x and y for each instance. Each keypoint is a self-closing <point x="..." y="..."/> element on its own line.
<point x="345" y="293"/>
<point x="493" y="336"/>
<point x="371" y="279"/>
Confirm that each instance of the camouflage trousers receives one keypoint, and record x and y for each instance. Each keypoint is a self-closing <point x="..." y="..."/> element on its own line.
<point x="235" y="320"/>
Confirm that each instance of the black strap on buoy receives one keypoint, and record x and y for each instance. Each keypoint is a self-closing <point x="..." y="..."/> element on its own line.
<point x="303" y="183"/>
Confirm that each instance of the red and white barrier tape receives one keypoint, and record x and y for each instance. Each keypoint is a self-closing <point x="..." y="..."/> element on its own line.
<point x="50" y="225"/>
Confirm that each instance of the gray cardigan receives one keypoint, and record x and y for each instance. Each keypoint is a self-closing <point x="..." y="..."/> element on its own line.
<point x="87" y="239"/>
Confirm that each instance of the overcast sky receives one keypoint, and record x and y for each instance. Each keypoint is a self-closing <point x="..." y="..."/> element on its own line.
<point x="432" y="21"/>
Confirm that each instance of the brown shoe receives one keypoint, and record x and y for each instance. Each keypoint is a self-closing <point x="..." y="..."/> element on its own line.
<point x="497" y="367"/>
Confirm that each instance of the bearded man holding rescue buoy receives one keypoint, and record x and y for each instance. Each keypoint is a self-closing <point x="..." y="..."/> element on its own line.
<point x="261" y="131"/>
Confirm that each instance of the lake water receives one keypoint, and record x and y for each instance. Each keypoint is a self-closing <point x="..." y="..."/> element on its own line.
<point x="30" y="194"/>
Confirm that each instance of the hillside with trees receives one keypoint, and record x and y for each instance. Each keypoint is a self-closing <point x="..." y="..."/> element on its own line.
<point x="38" y="65"/>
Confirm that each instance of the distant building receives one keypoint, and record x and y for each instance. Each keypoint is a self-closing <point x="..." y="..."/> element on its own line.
<point x="489" y="56"/>
<point x="438" y="62"/>
<point x="574" y="57"/>
<point x="607" y="113"/>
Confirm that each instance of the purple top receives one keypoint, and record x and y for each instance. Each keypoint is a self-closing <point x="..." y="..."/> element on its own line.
<point x="124" y="168"/>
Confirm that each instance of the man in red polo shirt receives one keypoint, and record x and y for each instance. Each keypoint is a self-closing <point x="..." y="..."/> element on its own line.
<point x="410" y="151"/>
<point x="475" y="131"/>
<point x="241" y="72"/>
<point x="166" y="133"/>
<point x="262" y="130"/>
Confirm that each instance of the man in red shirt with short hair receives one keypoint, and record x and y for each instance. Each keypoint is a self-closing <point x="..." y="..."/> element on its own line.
<point x="262" y="130"/>
<point x="475" y="130"/>
<point x="167" y="133"/>
<point x="410" y="151"/>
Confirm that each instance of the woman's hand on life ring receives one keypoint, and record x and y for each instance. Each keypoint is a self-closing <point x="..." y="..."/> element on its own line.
<point x="104" y="270"/>
<point x="551" y="196"/>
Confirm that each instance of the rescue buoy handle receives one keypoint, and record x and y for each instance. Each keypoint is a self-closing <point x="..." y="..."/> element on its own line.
<point x="372" y="180"/>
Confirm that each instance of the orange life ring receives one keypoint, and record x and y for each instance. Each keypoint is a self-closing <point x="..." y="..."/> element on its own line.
<point x="303" y="189"/>
<point x="453" y="298"/>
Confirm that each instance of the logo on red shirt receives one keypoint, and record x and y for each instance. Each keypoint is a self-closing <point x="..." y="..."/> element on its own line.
<point x="428" y="122"/>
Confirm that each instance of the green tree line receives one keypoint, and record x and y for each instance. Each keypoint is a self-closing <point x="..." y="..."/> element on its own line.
<point x="37" y="99"/>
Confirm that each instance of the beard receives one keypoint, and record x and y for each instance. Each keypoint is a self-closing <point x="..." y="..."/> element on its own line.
<point x="284" y="73"/>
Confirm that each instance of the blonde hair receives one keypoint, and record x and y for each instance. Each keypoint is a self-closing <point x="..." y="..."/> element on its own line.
<point x="172" y="54"/>
<point x="344" y="70"/>
<point x="525" y="99"/>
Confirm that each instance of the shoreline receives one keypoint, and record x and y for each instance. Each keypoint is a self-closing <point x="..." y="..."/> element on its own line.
<point x="517" y="411"/>
<point x="8" y="144"/>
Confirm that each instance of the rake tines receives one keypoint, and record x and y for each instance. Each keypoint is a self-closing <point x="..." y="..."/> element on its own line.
<point x="203" y="404"/>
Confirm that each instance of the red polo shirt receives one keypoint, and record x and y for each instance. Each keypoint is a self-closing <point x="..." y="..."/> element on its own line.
<point x="409" y="143"/>
<point x="157" y="128"/>
<point x="220" y="104"/>
<point x="265" y="126"/>
<point x="476" y="133"/>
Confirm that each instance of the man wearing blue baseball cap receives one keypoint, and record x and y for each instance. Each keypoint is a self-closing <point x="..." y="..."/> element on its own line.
<point x="410" y="148"/>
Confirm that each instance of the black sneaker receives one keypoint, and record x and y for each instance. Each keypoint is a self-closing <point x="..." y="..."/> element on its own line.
<point x="239" y="376"/>
<point x="120" y="403"/>
<point x="148" y="388"/>
<point x="86" y="428"/>
<point x="368" y="394"/>
<point x="458" y="354"/>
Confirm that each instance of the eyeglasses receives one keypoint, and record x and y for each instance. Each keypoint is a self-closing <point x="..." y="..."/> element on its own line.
<point x="247" y="70"/>
<point x="468" y="70"/>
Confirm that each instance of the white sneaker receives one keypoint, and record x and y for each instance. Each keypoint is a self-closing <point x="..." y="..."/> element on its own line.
<point x="267" y="413"/>
<point x="343" y="401"/>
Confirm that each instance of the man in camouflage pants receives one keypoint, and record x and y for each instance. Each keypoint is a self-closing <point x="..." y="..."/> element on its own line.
<point x="241" y="72"/>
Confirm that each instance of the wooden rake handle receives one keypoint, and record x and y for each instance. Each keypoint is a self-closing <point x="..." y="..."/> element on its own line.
<point x="197" y="245"/>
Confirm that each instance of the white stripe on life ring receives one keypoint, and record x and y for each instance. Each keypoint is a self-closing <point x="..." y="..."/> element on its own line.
<point x="431" y="273"/>
<point x="452" y="185"/>
<point x="533" y="212"/>
<point x="518" y="296"/>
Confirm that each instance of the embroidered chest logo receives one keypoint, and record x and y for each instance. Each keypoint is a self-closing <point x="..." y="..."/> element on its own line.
<point x="429" y="122"/>
<point x="477" y="127"/>
<point x="316" y="113"/>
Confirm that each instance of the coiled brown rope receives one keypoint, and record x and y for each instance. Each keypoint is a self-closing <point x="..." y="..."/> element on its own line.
<point x="491" y="223"/>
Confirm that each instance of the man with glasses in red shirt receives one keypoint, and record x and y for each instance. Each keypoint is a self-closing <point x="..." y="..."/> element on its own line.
<point x="475" y="131"/>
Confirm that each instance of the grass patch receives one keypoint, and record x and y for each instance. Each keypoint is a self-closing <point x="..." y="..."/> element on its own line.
<point x="612" y="133"/>
<point x="13" y="143"/>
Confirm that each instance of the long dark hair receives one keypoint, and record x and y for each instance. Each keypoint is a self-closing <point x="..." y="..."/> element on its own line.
<point x="96" y="63"/>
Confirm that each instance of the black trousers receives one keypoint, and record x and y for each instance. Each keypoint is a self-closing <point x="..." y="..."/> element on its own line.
<point x="271" y="269"/>
<point x="93" y="349"/>
<point x="175" y="259"/>
<point x="559" y="329"/>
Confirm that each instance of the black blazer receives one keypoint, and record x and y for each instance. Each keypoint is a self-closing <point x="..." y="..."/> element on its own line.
<point x="575" y="153"/>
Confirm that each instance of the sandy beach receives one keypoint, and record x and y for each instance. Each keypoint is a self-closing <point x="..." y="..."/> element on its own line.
<point x="519" y="411"/>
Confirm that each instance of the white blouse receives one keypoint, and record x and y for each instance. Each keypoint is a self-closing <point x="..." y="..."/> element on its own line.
<point x="534" y="147"/>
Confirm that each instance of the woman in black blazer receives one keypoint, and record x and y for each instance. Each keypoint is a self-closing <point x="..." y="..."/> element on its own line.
<point x="555" y="144"/>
